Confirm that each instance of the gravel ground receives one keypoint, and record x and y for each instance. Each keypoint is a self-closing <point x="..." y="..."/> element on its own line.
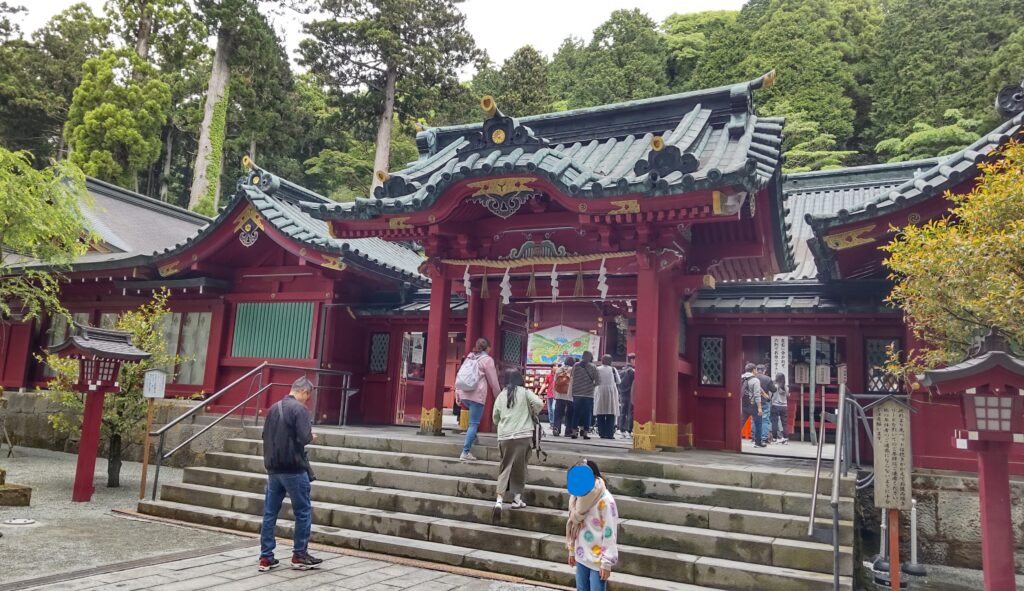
<point x="74" y="536"/>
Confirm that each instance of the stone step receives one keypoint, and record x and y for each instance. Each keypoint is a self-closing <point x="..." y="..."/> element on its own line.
<point x="766" y="473"/>
<point x="734" y="497"/>
<point x="511" y="546"/>
<point x="252" y="479"/>
<point x="532" y="569"/>
<point x="740" y="546"/>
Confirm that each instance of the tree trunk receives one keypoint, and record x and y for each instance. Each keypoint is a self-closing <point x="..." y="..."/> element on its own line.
<point x="382" y="158"/>
<point x="114" y="462"/>
<point x="211" y="134"/>
<point x="165" y="173"/>
<point x="144" y="32"/>
<point x="252" y="149"/>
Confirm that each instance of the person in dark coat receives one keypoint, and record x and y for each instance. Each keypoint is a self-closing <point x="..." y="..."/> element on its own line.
<point x="626" y="379"/>
<point x="287" y="432"/>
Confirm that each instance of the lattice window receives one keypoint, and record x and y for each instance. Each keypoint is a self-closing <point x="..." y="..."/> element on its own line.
<point x="380" y="342"/>
<point x="511" y="348"/>
<point x="712" y="363"/>
<point x="106" y="373"/>
<point x="876" y="355"/>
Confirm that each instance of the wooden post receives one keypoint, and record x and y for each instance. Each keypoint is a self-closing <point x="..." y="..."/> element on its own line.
<point x="894" y="549"/>
<point x="432" y="411"/>
<point x="996" y="525"/>
<point x="145" y="448"/>
<point x="646" y="386"/>
<point x="88" y="447"/>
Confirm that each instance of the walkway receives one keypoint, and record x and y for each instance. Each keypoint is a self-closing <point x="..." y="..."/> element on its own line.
<point x="235" y="570"/>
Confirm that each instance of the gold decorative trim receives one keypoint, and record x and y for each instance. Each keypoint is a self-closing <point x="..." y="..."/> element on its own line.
<point x="688" y="434"/>
<point x="501" y="187"/>
<point x="582" y="207"/>
<point x="399" y="223"/>
<point x="657" y="143"/>
<point x="382" y="176"/>
<point x="710" y="282"/>
<point x="769" y="80"/>
<point x="464" y="419"/>
<point x="168" y="269"/>
<point x="302" y="252"/>
<point x="666" y="434"/>
<point x="850" y="238"/>
<point x="489" y="105"/>
<point x="716" y="202"/>
<point x="430" y="421"/>
<point x="624" y="207"/>
<point x="334" y="263"/>
<point x="248" y="215"/>
<point x="644" y="436"/>
<point x="527" y="262"/>
<point x="432" y="218"/>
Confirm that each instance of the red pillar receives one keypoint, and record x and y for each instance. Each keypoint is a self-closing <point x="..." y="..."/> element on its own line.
<point x="996" y="525"/>
<point x="437" y="341"/>
<point x="88" y="446"/>
<point x="667" y="394"/>
<point x="473" y="312"/>
<point x="647" y="307"/>
<point x="490" y="328"/>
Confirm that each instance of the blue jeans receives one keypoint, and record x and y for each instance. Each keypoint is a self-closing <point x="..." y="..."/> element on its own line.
<point x="297" y="487"/>
<point x="588" y="579"/>
<point x="756" y="424"/>
<point x="766" y="422"/>
<point x="476" y="413"/>
<point x="551" y="412"/>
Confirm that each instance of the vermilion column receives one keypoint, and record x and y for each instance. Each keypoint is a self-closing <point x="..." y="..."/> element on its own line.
<point x="996" y="525"/>
<point x="473" y="319"/>
<point x="667" y="394"/>
<point x="647" y="361"/>
<point x="490" y="328"/>
<point x="88" y="446"/>
<point x="431" y="415"/>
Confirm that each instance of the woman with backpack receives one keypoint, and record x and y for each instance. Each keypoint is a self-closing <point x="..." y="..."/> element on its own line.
<point x="584" y="382"/>
<point x="606" y="398"/>
<point x="563" y="397"/>
<point x="475" y="375"/>
<point x="591" y="533"/>
<point x="515" y="413"/>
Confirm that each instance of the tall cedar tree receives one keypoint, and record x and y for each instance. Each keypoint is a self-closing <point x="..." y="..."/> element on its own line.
<point x="689" y="37"/>
<point x="114" y="124"/>
<point x="524" y="83"/>
<point x="395" y="50"/>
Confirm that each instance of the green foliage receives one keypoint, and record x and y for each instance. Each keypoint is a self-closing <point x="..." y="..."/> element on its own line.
<point x="116" y="116"/>
<point x="960" y="276"/>
<point x="208" y="202"/>
<point x="38" y="77"/>
<point x="806" y="147"/>
<point x="689" y="37"/>
<point x="522" y="85"/>
<point x="41" y="221"/>
<point x="344" y="172"/>
<point x="926" y="141"/>
<point x="124" y="413"/>
<point x="935" y="55"/>
<point x="625" y="60"/>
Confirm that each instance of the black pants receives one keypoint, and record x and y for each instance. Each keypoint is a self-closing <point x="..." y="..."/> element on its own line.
<point x="606" y="426"/>
<point x="563" y="416"/>
<point x="583" y="413"/>
<point x="625" y="413"/>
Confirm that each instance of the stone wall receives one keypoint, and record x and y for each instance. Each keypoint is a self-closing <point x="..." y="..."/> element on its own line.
<point x="28" y="425"/>
<point x="948" y="520"/>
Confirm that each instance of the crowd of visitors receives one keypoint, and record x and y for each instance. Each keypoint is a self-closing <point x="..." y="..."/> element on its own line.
<point x="765" y="405"/>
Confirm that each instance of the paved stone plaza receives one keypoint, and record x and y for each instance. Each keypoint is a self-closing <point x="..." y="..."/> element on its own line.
<point x="235" y="570"/>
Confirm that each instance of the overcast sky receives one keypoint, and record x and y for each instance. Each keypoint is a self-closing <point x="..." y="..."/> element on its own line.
<point x="499" y="26"/>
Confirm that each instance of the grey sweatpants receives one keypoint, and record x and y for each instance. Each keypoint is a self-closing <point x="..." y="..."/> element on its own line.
<point x="512" y="467"/>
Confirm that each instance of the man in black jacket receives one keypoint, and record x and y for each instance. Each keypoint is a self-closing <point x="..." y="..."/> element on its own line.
<point x="287" y="432"/>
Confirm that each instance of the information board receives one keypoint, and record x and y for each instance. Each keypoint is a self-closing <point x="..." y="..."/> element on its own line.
<point x="154" y="384"/>
<point x="892" y="456"/>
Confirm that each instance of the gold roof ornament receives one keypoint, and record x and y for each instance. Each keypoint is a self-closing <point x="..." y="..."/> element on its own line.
<point x="382" y="176"/>
<point x="657" y="143"/>
<point x="247" y="162"/>
<point x="769" y="80"/>
<point x="489" y="105"/>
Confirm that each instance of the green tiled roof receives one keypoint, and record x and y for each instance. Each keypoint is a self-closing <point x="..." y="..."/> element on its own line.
<point x="712" y="139"/>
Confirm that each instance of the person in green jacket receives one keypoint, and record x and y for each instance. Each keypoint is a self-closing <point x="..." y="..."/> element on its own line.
<point x="513" y="414"/>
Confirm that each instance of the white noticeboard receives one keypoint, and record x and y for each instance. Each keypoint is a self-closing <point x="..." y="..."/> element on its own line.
<point x="892" y="456"/>
<point x="154" y="384"/>
<point x="780" y="357"/>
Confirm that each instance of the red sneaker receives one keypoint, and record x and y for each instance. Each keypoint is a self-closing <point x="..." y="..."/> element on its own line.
<point x="268" y="564"/>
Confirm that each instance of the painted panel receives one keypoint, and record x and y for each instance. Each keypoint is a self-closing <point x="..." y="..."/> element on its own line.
<point x="279" y="330"/>
<point x="551" y="344"/>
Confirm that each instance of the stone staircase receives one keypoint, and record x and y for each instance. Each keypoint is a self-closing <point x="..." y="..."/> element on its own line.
<point x="688" y="524"/>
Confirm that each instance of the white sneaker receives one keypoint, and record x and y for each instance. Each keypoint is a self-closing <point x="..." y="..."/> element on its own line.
<point x="467" y="457"/>
<point x="518" y="504"/>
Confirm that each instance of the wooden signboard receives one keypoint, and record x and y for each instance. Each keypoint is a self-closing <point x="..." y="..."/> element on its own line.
<point x="892" y="456"/>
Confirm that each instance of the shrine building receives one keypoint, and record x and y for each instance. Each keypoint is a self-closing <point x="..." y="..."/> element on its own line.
<point x="662" y="227"/>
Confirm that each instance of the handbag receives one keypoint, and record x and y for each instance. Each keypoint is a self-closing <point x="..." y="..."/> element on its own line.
<point x="538" y="434"/>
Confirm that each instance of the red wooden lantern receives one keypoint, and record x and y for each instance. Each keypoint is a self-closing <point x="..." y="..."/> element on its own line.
<point x="990" y="384"/>
<point x="100" y="354"/>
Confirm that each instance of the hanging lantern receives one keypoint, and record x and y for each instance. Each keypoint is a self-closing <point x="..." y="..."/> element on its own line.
<point x="579" y="283"/>
<point x="484" y="292"/>
<point x="554" y="283"/>
<point x="531" y="287"/>
<point x="506" y="288"/>
<point x="602" y="281"/>
<point x="467" y="283"/>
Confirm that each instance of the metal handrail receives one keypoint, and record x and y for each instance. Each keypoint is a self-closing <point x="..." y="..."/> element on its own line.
<point x="837" y="461"/>
<point x="256" y="374"/>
